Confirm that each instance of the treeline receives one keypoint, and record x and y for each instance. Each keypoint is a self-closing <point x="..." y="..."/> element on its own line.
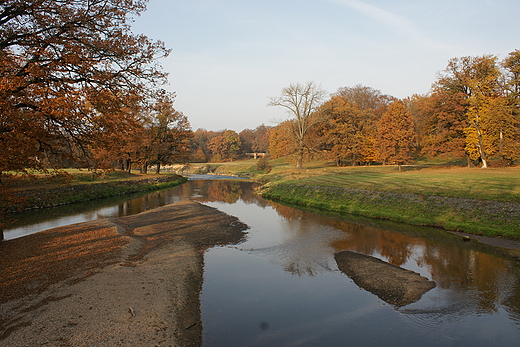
<point x="227" y="145"/>
<point x="471" y="111"/>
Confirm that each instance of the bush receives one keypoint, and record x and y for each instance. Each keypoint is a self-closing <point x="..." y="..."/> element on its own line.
<point x="263" y="165"/>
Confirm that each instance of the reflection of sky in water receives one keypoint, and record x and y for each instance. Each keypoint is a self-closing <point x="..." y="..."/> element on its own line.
<point x="299" y="246"/>
<point x="12" y="233"/>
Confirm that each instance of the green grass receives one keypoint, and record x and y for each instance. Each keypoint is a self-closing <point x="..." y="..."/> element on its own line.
<point x="472" y="216"/>
<point x="491" y="184"/>
<point x="473" y="200"/>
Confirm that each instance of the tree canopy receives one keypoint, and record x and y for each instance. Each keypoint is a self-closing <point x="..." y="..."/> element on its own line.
<point x="72" y="75"/>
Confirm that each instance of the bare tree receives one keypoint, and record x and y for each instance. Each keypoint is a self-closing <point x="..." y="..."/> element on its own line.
<point x="301" y="101"/>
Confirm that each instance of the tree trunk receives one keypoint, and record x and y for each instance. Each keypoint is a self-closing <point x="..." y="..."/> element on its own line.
<point x="501" y="145"/>
<point x="299" y="159"/>
<point x="481" y="150"/>
<point x="482" y="153"/>
<point x="158" y="170"/>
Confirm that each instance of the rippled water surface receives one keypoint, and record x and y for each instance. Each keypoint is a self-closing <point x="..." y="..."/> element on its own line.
<point x="282" y="286"/>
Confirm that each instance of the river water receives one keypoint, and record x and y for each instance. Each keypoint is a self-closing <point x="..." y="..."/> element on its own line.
<point x="282" y="286"/>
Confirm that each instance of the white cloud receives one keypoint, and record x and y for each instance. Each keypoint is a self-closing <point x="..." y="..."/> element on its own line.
<point x="397" y="23"/>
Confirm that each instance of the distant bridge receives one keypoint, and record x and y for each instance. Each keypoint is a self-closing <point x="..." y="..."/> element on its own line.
<point x="257" y="154"/>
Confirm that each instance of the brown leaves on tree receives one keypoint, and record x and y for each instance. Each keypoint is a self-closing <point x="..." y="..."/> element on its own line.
<point x="396" y="135"/>
<point x="69" y="73"/>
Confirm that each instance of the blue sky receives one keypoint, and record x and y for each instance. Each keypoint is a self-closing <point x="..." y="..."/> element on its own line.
<point x="229" y="56"/>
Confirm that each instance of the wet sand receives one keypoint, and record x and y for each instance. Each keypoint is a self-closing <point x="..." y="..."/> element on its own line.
<point x="393" y="284"/>
<point x="130" y="281"/>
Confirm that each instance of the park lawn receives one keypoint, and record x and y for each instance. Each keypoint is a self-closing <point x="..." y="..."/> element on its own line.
<point x="70" y="177"/>
<point x="497" y="184"/>
<point x="49" y="190"/>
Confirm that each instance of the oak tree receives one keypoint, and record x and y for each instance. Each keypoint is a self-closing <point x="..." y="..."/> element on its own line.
<point x="168" y="134"/>
<point x="69" y="72"/>
<point x="478" y="79"/>
<point x="347" y="131"/>
<point x="366" y="98"/>
<point x="440" y="120"/>
<point x="218" y="146"/>
<point x="281" y="143"/>
<point x="234" y="144"/>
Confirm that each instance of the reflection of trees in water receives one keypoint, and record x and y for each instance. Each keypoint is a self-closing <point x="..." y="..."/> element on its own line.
<point x="474" y="281"/>
<point x="225" y="191"/>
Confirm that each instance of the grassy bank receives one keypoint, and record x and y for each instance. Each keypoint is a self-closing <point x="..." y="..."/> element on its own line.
<point x="43" y="192"/>
<point x="484" y="202"/>
<point x="489" y="218"/>
<point x="472" y="200"/>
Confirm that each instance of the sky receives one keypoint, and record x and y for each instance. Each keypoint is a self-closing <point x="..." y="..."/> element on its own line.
<point x="229" y="57"/>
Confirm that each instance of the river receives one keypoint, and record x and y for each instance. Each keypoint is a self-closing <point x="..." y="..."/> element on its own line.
<point x="282" y="286"/>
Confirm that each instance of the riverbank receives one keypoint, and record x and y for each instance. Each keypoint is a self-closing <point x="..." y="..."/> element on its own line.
<point x="455" y="198"/>
<point x="132" y="281"/>
<point x="480" y="217"/>
<point x="51" y="195"/>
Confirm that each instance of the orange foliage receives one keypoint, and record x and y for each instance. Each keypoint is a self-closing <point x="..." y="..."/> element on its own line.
<point x="70" y="72"/>
<point x="396" y="135"/>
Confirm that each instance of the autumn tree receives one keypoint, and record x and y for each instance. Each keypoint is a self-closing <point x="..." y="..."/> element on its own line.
<point x="347" y="132"/>
<point x="200" y="152"/>
<point x="246" y="138"/>
<point x="219" y="147"/>
<point x="479" y="80"/>
<point x="512" y="89"/>
<point x="255" y="140"/>
<point x="233" y="144"/>
<point x="281" y="142"/>
<point x="512" y="76"/>
<point x="260" y="143"/>
<point x="301" y="101"/>
<point x="440" y="120"/>
<point x="366" y="98"/>
<point x="396" y="135"/>
<point x="167" y="135"/>
<point x="69" y="72"/>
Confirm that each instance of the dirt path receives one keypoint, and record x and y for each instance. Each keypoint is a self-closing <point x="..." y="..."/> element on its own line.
<point x="130" y="281"/>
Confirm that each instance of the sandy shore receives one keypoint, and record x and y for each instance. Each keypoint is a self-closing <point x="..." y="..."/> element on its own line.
<point x="130" y="281"/>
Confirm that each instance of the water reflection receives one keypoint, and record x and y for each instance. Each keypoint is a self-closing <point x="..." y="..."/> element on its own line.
<point x="471" y="278"/>
<point x="306" y="252"/>
<point x="475" y="301"/>
<point x="202" y="190"/>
